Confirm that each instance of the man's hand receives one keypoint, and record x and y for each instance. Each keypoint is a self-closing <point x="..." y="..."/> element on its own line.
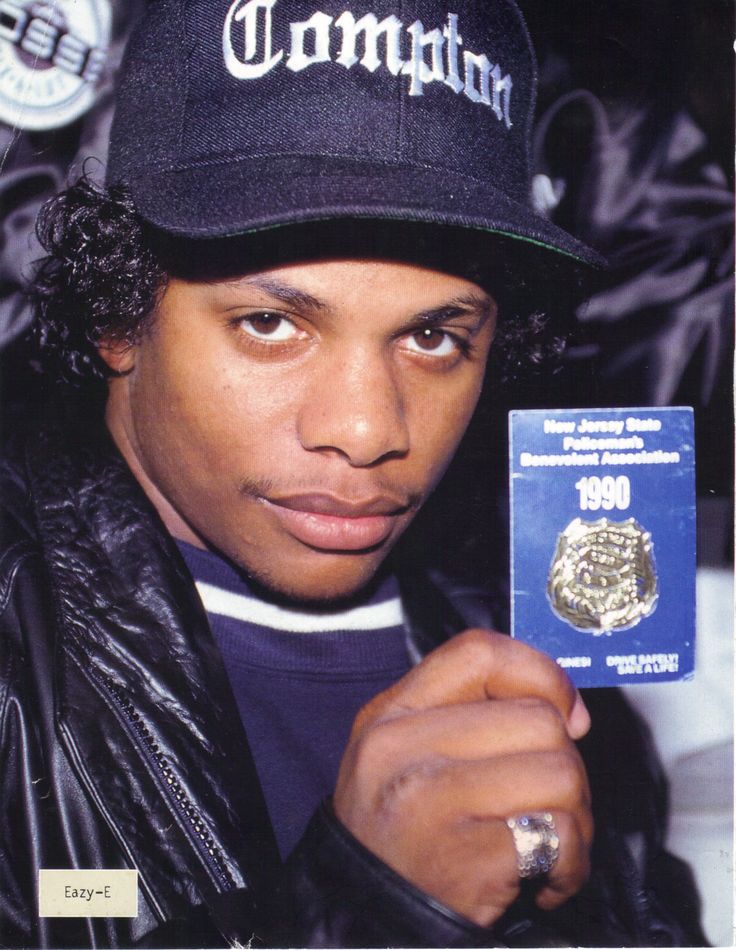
<point x="480" y="731"/>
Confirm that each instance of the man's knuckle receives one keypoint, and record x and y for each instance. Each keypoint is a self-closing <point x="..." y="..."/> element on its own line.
<point x="391" y="739"/>
<point x="367" y="748"/>
<point x="379" y="747"/>
<point x="570" y="777"/>
<point x="546" y="721"/>
<point x="368" y="713"/>
<point x="411" y="789"/>
<point x="477" y="645"/>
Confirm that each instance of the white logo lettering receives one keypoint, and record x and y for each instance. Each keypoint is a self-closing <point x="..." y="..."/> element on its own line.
<point x="420" y="73"/>
<point x="298" y="58"/>
<point x="482" y="92"/>
<point x="371" y="29"/>
<point x="252" y="56"/>
<point x="501" y="105"/>
<point x="454" y="41"/>
<point x="247" y="13"/>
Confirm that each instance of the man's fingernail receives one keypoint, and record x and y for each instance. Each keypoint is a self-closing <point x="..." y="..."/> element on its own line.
<point x="578" y="722"/>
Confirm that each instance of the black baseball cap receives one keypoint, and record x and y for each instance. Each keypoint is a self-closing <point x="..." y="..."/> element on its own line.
<point x="235" y="116"/>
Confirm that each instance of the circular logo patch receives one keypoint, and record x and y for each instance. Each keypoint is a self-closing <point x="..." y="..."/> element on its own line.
<point x="602" y="577"/>
<point x="52" y="53"/>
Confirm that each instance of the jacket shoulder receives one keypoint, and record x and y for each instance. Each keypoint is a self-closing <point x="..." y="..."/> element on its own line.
<point x="20" y="556"/>
<point x="18" y="539"/>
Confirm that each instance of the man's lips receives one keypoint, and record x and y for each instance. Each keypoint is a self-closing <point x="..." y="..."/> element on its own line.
<point x="329" y="523"/>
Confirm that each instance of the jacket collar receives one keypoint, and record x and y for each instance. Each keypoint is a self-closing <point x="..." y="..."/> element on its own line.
<point x="144" y="704"/>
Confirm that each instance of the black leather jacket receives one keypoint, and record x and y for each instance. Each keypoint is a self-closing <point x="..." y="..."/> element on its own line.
<point x="121" y="747"/>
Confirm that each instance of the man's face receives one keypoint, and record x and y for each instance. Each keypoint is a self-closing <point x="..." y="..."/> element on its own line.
<point x="296" y="418"/>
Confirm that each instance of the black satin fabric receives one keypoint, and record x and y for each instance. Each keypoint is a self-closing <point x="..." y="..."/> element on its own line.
<point x="121" y="747"/>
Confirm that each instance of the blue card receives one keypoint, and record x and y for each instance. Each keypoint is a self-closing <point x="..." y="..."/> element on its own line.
<point x="603" y="541"/>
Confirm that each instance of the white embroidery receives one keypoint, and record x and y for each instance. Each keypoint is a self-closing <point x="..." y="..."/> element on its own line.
<point x="319" y="23"/>
<point x="433" y="55"/>
<point x="490" y="76"/>
<point x="420" y="72"/>
<point x="371" y="29"/>
<point x="454" y="41"/>
<point x="247" y="13"/>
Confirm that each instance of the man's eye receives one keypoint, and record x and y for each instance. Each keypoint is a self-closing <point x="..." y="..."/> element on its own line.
<point x="269" y="326"/>
<point x="432" y="342"/>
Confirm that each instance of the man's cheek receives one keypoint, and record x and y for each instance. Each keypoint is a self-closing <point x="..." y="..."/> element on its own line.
<point x="444" y="448"/>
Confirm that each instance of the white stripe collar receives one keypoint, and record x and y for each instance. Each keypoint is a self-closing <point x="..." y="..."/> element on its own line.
<point x="249" y="609"/>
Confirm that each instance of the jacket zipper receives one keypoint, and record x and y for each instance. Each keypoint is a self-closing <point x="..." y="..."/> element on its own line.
<point x="200" y="836"/>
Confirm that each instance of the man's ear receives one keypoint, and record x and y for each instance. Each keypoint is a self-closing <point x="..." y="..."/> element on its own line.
<point x="118" y="354"/>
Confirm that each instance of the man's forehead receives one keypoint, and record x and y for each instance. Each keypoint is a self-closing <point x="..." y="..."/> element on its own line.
<point x="328" y="286"/>
<point x="445" y="250"/>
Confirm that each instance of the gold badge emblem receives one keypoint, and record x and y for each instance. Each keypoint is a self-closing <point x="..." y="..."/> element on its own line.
<point x="602" y="577"/>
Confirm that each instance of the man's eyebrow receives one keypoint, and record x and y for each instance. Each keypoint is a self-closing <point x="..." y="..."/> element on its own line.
<point x="465" y="305"/>
<point x="289" y="295"/>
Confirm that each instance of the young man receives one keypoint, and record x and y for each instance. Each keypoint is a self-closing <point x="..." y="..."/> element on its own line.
<point x="291" y="290"/>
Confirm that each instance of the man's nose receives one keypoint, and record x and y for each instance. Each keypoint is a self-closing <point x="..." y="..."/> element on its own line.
<point x="355" y="408"/>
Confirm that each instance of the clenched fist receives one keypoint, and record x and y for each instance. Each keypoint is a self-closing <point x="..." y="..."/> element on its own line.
<point x="480" y="731"/>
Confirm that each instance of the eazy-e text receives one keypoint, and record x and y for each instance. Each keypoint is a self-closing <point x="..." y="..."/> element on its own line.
<point x="86" y="893"/>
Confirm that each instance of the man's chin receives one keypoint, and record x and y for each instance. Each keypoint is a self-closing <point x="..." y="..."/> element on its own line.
<point x="341" y="582"/>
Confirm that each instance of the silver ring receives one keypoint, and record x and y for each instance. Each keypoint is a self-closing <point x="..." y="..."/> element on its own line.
<point x="536" y="842"/>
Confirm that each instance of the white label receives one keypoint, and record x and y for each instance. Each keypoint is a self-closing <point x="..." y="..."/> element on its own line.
<point x="83" y="893"/>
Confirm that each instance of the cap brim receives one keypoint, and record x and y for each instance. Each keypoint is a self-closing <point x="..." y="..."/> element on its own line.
<point x="235" y="198"/>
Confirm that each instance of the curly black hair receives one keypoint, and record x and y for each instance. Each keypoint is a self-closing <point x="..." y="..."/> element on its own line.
<point x="101" y="278"/>
<point x="106" y="269"/>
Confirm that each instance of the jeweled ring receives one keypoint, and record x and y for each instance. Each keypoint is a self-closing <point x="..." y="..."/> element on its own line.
<point x="537" y="843"/>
